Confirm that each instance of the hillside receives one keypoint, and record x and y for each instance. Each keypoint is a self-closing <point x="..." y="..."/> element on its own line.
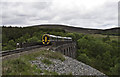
<point x="45" y="62"/>
<point x="79" y="29"/>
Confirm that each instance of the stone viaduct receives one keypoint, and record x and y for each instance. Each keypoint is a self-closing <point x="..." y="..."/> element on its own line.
<point x="67" y="48"/>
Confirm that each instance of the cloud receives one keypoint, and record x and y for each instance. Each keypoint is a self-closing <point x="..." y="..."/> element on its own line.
<point x="80" y="13"/>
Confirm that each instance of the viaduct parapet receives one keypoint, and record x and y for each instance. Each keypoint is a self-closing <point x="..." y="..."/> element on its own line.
<point x="67" y="48"/>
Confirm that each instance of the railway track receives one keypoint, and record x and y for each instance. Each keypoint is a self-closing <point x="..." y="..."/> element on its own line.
<point x="47" y="39"/>
<point x="19" y="50"/>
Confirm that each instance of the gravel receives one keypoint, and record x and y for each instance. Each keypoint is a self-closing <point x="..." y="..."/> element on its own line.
<point x="68" y="66"/>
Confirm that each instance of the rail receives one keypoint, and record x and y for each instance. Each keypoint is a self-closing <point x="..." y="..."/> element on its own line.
<point x="9" y="52"/>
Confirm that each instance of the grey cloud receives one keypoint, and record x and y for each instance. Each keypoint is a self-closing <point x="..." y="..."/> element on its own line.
<point x="44" y="12"/>
<point x="20" y="12"/>
<point x="14" y="20"/>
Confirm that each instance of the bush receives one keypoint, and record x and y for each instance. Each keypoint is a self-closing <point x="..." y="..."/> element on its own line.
<point x="33" y="39"/>
<point x="8" y="47"/>
<point x="116" y="69"/>
<point x="84" y="58"/>
<point x="94" y="51"/>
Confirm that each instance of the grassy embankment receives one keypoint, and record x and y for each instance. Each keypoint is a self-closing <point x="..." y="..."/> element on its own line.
<point x="22" y="65"/>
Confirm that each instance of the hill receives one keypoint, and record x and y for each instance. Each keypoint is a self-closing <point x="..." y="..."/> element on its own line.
<point x="112" y="31"/>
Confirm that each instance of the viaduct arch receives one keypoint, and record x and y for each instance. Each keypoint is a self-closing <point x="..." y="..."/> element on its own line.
<point x="66" y="48"/>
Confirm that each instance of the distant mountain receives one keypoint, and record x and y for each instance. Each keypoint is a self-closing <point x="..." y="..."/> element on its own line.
<point x="81" y="30"/>
<point x="112" y="30"/>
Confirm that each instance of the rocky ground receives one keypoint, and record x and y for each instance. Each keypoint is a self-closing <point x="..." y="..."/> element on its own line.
<point x="68" y="66"/>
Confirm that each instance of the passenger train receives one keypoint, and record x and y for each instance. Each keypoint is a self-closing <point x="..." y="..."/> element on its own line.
<point x="47" y="38"/>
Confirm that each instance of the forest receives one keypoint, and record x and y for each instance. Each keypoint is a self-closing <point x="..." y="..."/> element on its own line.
<point x="101" y="53"/>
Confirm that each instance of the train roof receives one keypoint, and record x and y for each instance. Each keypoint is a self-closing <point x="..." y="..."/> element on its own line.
<point x="59" y="37"/>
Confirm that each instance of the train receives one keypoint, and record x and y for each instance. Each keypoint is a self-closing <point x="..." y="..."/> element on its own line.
<point x="48" y="39"/>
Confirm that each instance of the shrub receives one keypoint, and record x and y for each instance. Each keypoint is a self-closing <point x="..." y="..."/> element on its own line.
<point x="33" y="39"/>
<point x="55" y="55"/>
<point x="84" y="58"/>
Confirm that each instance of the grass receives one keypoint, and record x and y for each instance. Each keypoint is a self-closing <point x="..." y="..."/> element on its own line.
<point x="69" y="74"/>
<point x="22" y="66"/>
<point x="102" y="36"/>
<point x="19" y="67"/>
<point x="50" y="73"/>
<point x="46" y="61"/>
<point x="54" y="55"/>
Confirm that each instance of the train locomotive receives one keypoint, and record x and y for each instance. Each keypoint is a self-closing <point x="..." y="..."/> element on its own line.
<point x="47" y="39"/>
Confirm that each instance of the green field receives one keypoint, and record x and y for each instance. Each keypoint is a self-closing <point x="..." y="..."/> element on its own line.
<point x="102" y="36"/>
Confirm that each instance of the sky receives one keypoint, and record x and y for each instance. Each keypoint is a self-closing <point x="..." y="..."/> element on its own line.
<point x="97" y="14"/>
